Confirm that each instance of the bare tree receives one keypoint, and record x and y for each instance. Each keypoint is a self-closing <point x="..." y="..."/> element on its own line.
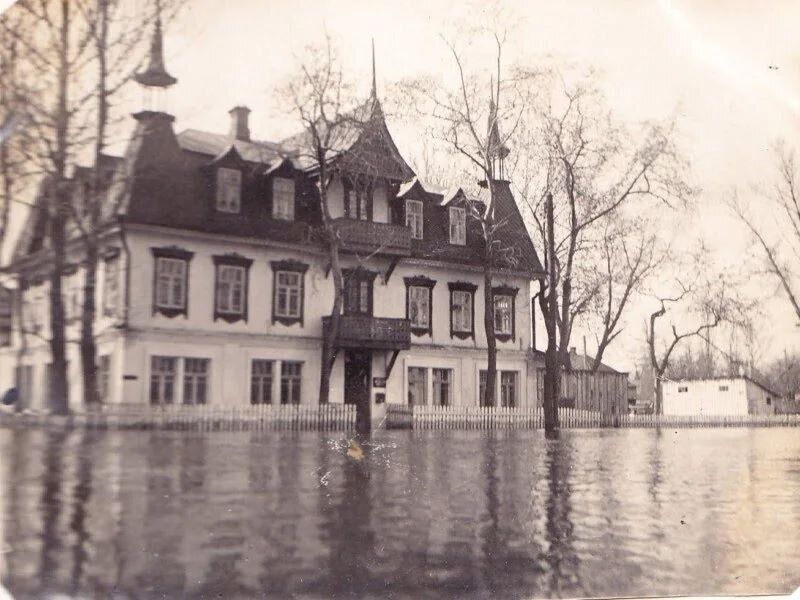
<point x="593" y="169"/>
<point x="477" y="121"/>
<point x="116" y="40"/>
<point x="630" y="253"/>
<point x="703" y="303"/>
<point x="779" y="239"/>
<point x="56" y="50"/>
<point x="323" y="101"/>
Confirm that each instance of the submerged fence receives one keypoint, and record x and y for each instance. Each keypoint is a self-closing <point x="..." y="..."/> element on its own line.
<point x="325" y="417"/>
<point x="489" y="417"/>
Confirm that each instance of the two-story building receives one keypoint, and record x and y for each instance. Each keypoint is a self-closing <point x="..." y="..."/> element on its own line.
<point x="215" y="285"/>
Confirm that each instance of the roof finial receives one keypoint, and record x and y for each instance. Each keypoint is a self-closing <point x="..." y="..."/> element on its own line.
<point x="374" y="84"/>
<point x="155" y="75"/>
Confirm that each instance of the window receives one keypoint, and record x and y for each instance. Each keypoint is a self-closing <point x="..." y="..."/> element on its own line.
<point x="682" y="389"/>
<point x="103" y="377"/>
<point x="283" y="199"/>
<point x="358" y="292"/>
<point x="171" y="281"/>
<point x="287" y="294"/>
<point x="417" y="386"/>
<point x="414" y="218"/>
<point x="358" y="204"/>
<point x="458" y="225"/>
<point x="230" y="289"/>
<point x="195" y="380"/>
<point x="229" y="190"/>
<point x="33" y="309"/>
<point x="482" y="387"/>
<point x="504" y="299"/>
<point x="162" y="379"/>
<point x="419" y="304"/>
<point x="72" y="298"/>
<point x="287" y="301"/>
<point x="502" y="315"/>
<point x="462" y="312"/>
<point x="442" y="386"/>
<point x="290" y="382"/>
<point x="261" y="382"/>
<point x="723" y="388"/>
<point x="508" y="388"/>
<point x="23" y="377"/>
<point x="769" y="401"/>
<point x="111" y="286"/>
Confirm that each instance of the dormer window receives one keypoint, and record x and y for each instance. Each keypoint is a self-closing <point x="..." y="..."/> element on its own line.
<point x="283" y="199"/>
<point x="358" y="203"/>
<point x="414" y="218"/>
<point x="458" y="225"/>
<point x="229" y="190"/>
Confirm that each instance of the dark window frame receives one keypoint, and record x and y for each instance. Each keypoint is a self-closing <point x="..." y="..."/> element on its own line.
<point x="420" y="281"/>
<point x="362" y="189"/>
<point x="295" y="266"/>
<point x="217" y="173"/>
<point x="471" y="288"/>
<point x="358" y="275"/>
<point x="288" y="379"/>
<point x="232" y="260"/>
<point x="176" y="253"/>
<point x="510" y="292"/>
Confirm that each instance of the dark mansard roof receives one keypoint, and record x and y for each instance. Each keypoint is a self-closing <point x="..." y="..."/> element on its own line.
<point x="168" y="180"/>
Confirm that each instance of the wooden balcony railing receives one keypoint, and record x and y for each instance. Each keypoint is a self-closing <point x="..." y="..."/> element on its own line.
<point x="363" y="331"/>
<point x="380" y="238"/>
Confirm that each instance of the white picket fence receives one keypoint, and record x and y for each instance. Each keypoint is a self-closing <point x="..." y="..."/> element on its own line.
<point x="326" y="417"/>
<point x="490" y="417"/>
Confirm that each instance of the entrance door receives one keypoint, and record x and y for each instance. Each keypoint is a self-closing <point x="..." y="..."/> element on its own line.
<point x="357" y="372"/>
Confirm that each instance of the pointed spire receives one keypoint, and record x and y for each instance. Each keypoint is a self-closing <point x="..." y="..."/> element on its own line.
<point x="156" y="74"/>
<point x="374" y="80"/>
<point x="496" y="147"/>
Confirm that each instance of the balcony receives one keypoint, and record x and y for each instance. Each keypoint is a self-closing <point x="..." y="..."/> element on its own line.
<point x="364" y="331"/>
<point x="370" y="237"/>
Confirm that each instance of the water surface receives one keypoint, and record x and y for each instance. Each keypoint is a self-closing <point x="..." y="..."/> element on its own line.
<point x="426" y="514"/>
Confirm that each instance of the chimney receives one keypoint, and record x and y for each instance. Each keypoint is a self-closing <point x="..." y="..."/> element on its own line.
<point x="240" y="129"/>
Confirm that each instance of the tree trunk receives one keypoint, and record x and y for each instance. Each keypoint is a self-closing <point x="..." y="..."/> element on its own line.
<point x="332" y="333"/>
<point x="491" y="340"/>
<point x="659" y="404"/>
<point x="89" y="310"/>
<point x="549" y="304"/>
<point x="23" y="401"/>
<point x="58" y="385"/>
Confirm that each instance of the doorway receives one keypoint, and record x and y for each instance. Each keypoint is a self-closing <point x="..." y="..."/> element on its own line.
<point x="357" y="374"/>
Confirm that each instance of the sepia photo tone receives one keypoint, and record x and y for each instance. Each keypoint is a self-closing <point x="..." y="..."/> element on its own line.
<point x="419" y="300"/>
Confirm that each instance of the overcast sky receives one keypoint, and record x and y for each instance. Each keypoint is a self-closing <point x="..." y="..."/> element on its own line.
<point x="729" y="70"/>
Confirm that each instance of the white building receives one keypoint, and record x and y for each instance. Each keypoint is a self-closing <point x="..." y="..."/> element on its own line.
<point x="717" y="397"/>
<point x="214" y="286"/>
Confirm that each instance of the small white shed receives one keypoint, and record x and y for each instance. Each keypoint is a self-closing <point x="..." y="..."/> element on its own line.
<point x="718" y="396"/>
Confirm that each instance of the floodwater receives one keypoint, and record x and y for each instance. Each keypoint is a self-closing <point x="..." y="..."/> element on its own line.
<point x="462" y="514"/>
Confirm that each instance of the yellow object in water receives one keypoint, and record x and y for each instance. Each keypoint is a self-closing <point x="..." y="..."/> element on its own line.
<point x="355" y="451"/>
